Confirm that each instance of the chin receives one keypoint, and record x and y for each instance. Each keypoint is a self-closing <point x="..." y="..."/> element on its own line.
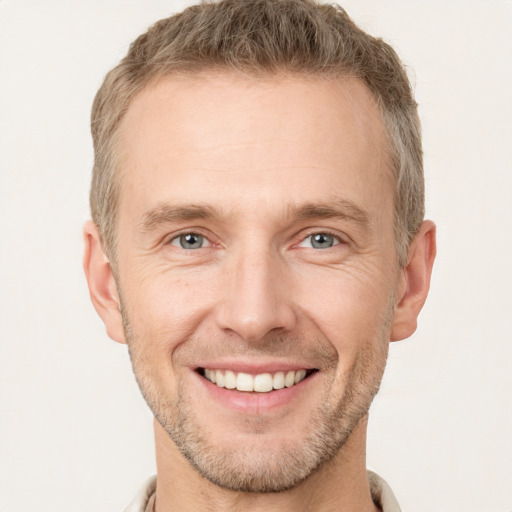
<point x="252" y="464"/>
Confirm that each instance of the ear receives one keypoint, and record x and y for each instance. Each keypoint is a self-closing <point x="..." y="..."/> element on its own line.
<point x="415" y="282"/>
<point x="102" y="286"/>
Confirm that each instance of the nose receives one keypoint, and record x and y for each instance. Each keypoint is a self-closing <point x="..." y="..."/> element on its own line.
<point x="257" y="298"/>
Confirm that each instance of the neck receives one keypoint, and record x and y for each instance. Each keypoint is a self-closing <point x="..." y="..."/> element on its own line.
<point x="340" y="484"/>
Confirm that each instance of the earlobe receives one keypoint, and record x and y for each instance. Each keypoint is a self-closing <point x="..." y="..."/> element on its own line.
<point x="101" y="283"/>
<point x="416" y="282"/>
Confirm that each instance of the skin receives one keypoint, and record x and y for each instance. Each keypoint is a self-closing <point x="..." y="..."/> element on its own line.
<point x="256" y="167"/>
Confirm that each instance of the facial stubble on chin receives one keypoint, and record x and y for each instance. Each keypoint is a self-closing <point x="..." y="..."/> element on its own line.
<point x="250" y="467"/>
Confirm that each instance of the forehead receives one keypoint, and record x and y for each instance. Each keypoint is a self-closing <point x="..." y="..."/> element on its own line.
<point x="236" y="139"/>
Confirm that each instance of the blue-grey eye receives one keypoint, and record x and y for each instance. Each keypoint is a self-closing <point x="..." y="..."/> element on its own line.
<point x="320" y="241"/>
<point x="190" y="241"/>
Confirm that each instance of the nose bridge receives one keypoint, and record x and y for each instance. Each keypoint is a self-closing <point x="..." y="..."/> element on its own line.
<point x="257" y="300"/>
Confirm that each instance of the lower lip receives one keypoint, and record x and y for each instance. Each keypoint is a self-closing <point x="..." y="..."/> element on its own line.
<point x="254" y="401"/>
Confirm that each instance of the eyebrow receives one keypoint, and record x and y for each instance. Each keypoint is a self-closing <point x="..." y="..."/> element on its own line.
<point x="167" y="213"/>
<point x="342" y="209"/>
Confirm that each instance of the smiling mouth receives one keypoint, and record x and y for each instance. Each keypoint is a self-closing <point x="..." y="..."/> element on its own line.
<point x="259" y="383"/>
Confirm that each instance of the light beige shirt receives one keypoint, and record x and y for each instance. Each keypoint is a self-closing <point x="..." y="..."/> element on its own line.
<point x="382" y="495"/>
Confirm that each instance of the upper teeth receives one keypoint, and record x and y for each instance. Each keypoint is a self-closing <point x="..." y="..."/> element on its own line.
<point x="262" y="382"/>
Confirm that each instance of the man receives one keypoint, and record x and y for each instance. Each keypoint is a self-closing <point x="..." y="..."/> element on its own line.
<point x="257" y="241"/>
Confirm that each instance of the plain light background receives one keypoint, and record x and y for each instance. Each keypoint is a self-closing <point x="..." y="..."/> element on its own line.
<point x="75" y="433"/>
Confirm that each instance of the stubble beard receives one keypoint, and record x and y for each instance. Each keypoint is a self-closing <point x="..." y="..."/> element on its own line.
<point x="252" y="468"/>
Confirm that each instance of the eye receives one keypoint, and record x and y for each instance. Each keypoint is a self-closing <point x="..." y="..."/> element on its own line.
<point x="190" y="241"/>
<point x="320" y="241"/>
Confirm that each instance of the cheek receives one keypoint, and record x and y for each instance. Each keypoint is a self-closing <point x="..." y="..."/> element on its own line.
<point x="352" y="308"/>
<point x="162" y="314"/>
<point x="164" y="309"/>
<point x="354" y="316"/>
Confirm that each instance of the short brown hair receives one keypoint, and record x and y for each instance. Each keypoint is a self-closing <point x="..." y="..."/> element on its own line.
<point x="267" y="37"/>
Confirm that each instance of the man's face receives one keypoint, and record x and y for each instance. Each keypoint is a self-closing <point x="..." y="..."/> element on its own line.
<point x="256" y="248"/>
